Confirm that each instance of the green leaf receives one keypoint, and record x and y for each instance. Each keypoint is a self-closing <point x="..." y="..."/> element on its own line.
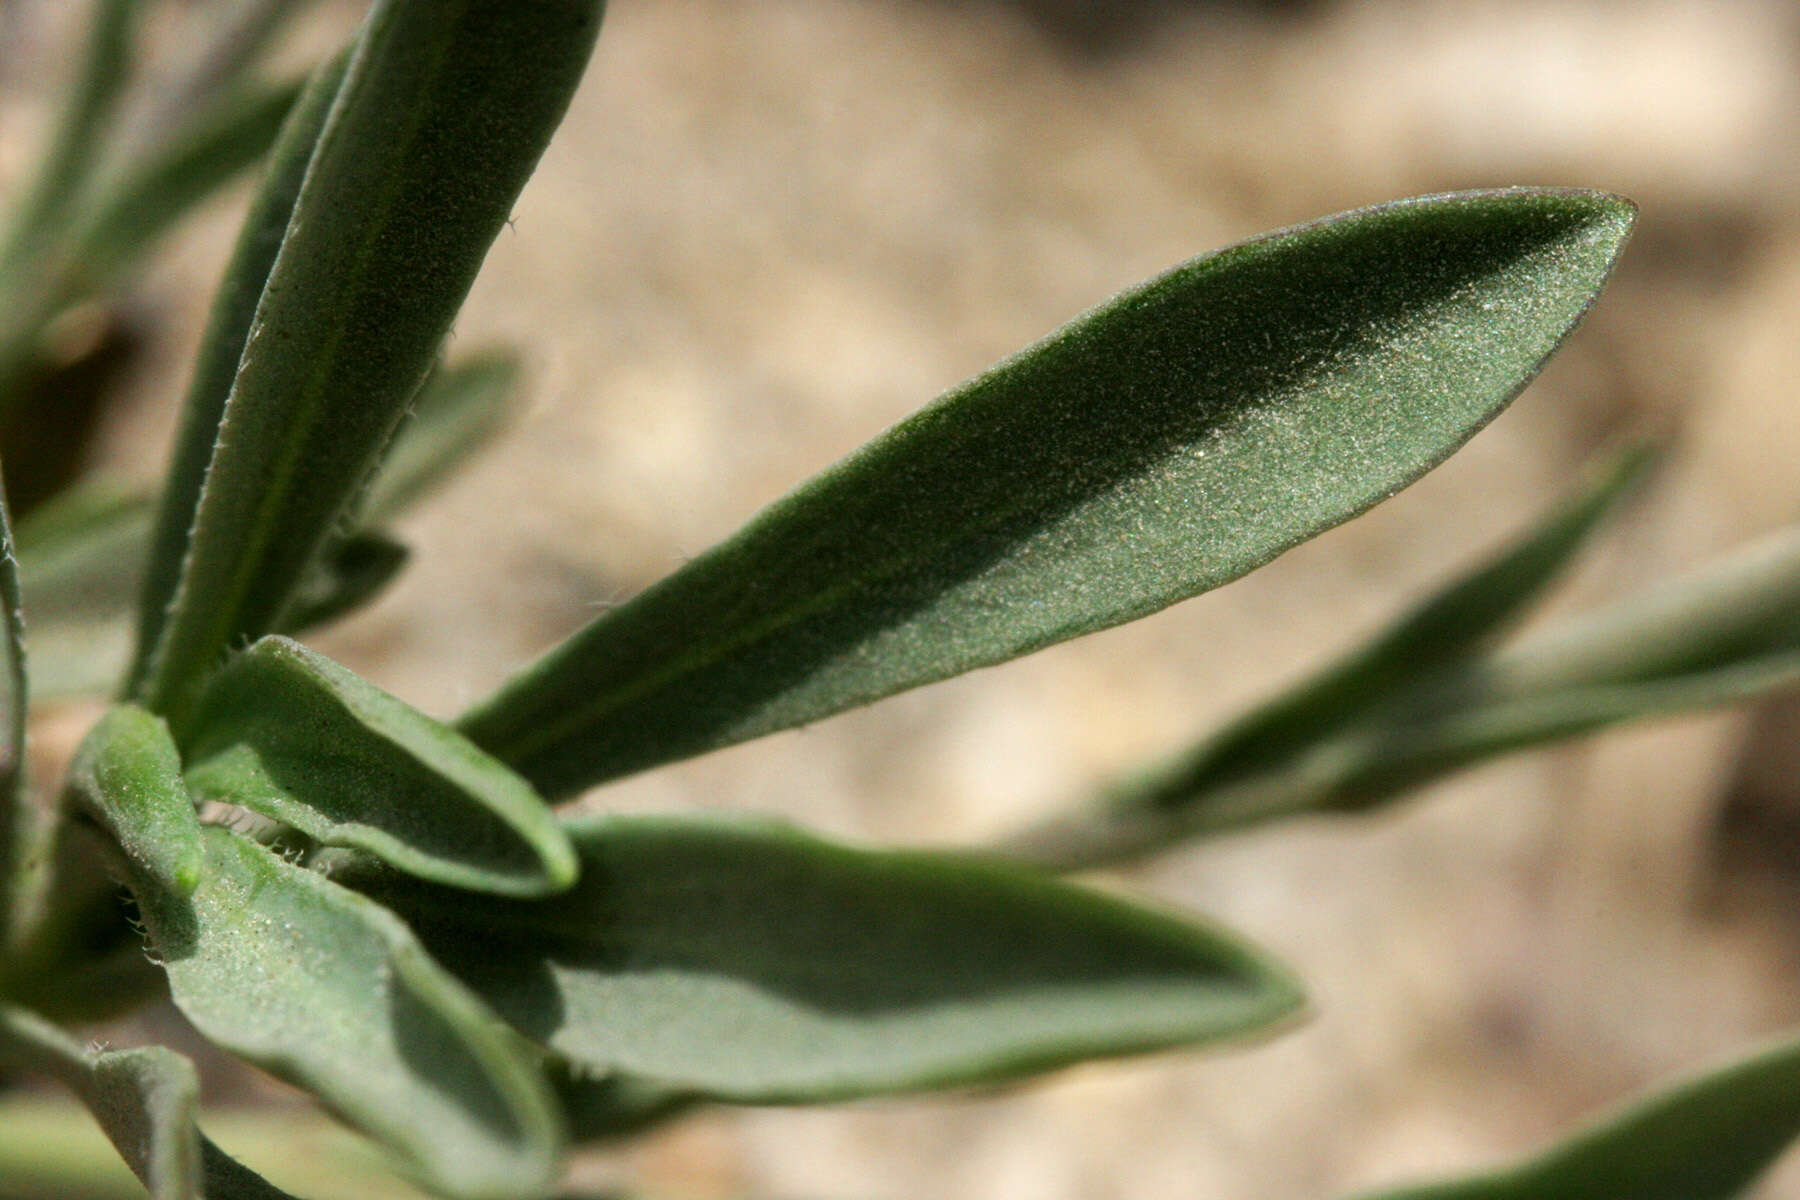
<point x="221" y="349"/>
<point x="757" y="964"/>
<point x="352" y="571"/>
<point x="127" y="775"/>
<point x="68" y="162"/>
<point x="1708" y="1138"/>
<point x="1165" y="443"/>
<point x="152" y="195"/>
<point x="1741" y="610"/>
<point x="286" y="732"/>
<point x="460" y="407"/>
<point x="145" y="1100"/>
<point x="1268" y="764"/>
<point x="444" y="110"/>
<point x="331" y="992"/>
<point x="80" y="552"/>
<point x="228" y="1179"/>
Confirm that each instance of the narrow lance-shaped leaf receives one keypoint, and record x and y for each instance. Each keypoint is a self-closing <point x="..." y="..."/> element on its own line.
<point x="1168" y="442"/>
<point x="286" y="732"/>
<point x="1727" y="633"/>
<point x="1266" y="764"/>
<point x="758" y="964"/>
<point x="331" y="992"/>
<point x="1743" y="608"/>
<point x="145" y="1100"/>
<point x="152" y="195"/>
<point x="443" y="112"/>
<point x="1708" y="1138"/>
<point x="460" y="407"/>
<point x="80" y="559"/>
<point x="66" y="164"/>
<point x="222" y="347"/>
<point x="79" y="552"/>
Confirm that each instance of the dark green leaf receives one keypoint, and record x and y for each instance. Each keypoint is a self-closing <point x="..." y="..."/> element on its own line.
<point x="757" y="964"/>
<point x="1706" y="1139"/>
<point x="145" y="1100"/>
<point x="352" y="571"/>
<point x="331" y="992"/>
<point x="127" y="775"/>
<point x="1168" y="442"/>
<point x="1282" y="757"/>
<point x="605" y="1108"/>
<point x="227" y="330"/>
<point x="228" y="1179"/>
<point x="286" y="732"/>
<point x="460" y="407"/>
<point x="444" y="110"/>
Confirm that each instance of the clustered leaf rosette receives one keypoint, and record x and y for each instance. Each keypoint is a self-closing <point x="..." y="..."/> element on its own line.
<point x="385" y="909"/>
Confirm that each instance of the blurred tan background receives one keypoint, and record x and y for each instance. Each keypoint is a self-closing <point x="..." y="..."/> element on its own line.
<point x="770" y="229"/>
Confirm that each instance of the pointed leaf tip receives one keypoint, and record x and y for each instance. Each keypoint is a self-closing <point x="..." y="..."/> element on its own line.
<point x="752" y="963"/>
<point x="1165" y="443"/>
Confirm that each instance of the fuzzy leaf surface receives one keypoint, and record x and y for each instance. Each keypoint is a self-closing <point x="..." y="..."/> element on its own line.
<point x="286" y="732"/>
<point x="444" y="109"/>
<point x="222" y="348"/>
<point x="145" y="1100"/>
<point x="1171" y="440"/>
<point x="758" y="964"/>
<point x="1708" y="1138"/>
<point x="327" y="990"/>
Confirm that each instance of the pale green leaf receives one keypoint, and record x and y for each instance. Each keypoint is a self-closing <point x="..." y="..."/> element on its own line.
<point x="68" y="162"/>
<point x="80" y="553"/>
<point x="331" y="992"/>
<point x="145" y="1100"/>
<point x="757" y="964"/>
<point x="287" y="733"/>
<point x="134" y="212"/>
<point x="1165" y="443"/>
<point x="443" y="112"/>
<point x="1708" y="1138"/>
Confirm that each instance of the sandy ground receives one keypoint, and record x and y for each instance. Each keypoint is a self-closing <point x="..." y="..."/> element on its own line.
<point x="771" y="229"/>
